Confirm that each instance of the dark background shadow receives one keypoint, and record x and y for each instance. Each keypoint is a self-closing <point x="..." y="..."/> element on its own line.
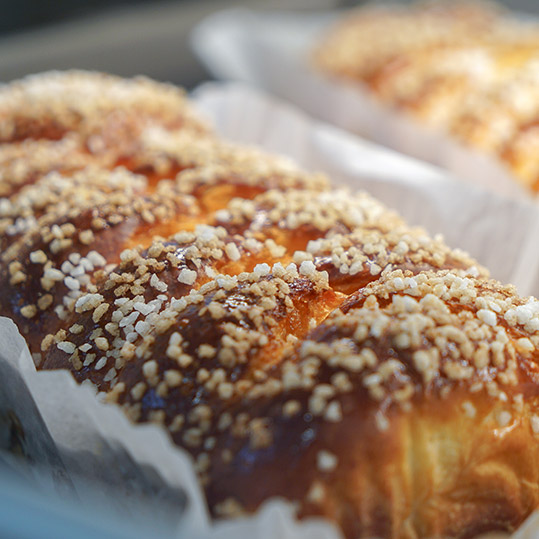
<point x="126" y="37"/>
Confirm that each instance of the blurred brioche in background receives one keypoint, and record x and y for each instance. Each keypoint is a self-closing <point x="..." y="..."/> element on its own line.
<point x="470" y="69"/>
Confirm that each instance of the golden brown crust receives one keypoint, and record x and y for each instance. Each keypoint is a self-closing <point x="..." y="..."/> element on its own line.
<point x="98" y="107"/>
<point x="470" y="70"/>
<point x="269" y="323"/>
<point x="409" y="412"/>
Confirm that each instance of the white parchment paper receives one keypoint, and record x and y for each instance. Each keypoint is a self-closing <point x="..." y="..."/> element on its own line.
<point x="138" y="471"/>
<point x="273" y="52"/>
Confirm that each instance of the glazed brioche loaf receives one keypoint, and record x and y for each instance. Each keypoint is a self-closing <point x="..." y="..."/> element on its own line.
<point x="467" y="68"/>
<point x="296" y="340"/>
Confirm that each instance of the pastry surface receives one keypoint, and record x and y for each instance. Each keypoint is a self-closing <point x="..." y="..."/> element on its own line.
<point x="269" y="322"/>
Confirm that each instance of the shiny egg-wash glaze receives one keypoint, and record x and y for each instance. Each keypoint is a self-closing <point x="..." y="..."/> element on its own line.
<point x="266" y="321"/>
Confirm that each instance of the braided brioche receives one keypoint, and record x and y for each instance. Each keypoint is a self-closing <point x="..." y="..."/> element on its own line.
<point x="267" y="322"/>
<point x="468" y="69"/>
